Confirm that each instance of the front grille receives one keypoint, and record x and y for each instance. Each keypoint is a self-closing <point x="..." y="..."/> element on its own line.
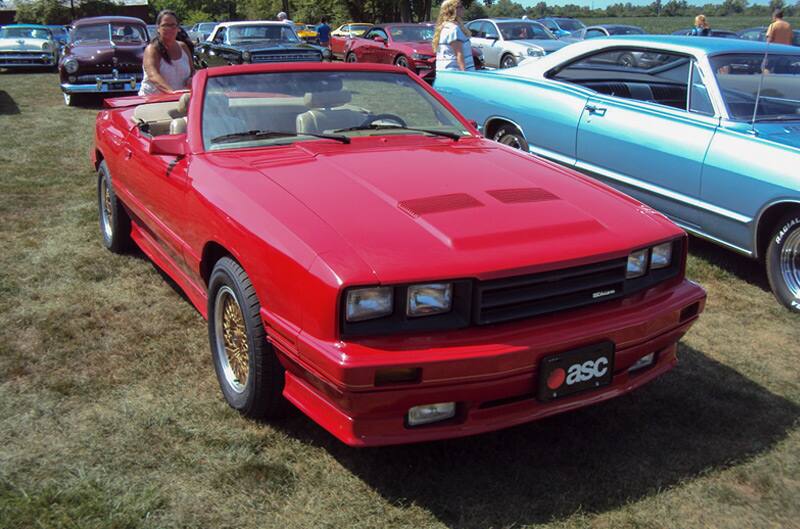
<point x="286" y="57"/>
<point x="506" y="299"/>
<point x="25" y="57"/>
<point x="91" y="78"/>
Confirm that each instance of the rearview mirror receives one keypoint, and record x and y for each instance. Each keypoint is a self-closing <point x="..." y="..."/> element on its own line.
<point x="168" y="145"/>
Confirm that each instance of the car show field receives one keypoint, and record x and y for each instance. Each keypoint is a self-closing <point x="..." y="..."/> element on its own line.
<point x="111" y="414"/>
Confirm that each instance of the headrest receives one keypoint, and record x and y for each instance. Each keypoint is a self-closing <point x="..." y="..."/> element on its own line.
<point x="183" y="106"/>
<point x="327" y="99"/>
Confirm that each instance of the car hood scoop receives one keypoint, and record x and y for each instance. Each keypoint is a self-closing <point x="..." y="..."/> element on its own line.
<point x="462" y="204"/>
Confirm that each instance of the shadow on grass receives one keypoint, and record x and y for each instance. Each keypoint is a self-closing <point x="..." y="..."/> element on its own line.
<point x="744" y="268"/>
<point x="699" y="417"/>
<point x="7" y="104"/>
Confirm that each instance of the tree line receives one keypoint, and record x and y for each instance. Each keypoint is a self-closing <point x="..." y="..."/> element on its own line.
<point x="377" y="11"/>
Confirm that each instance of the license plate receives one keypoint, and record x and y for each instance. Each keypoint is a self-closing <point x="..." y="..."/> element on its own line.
<point x="577" y="370"/>
<point x="117" y="86"/>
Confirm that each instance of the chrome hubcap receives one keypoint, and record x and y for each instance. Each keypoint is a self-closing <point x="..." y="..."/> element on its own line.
<point x="106" y="213"/>
<point x="790" y="263"/>
<point x="231" y="337"/>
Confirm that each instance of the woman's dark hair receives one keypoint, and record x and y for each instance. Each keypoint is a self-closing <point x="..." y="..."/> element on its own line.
<point x="162" y="50"/>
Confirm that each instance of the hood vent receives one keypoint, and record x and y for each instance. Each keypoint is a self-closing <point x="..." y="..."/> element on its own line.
<point x="522" y="194"/>
<point x="438" y="204"/>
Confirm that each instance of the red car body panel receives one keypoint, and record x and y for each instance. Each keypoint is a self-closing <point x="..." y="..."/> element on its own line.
<point x="368" y="50"/>
<point x="309" y="219"/>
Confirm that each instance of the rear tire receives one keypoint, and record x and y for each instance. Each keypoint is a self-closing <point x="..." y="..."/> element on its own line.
<point x="248" y="371"/>
<point x="115" y="224"/>
<point x="783" y="261"/>
<point x="510" y="135"/>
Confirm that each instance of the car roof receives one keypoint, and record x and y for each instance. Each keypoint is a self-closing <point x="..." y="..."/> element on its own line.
<point x="700" y="46"/>
<point x="107" y="20"/>
<point x="254" y="22"/>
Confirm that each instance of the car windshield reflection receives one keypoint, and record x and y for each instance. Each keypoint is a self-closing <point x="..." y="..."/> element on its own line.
<point x="256" y="110"/>
<point x="239" y="34"/>
<point x="412" y="33"/>
<point x="778" y="75"/>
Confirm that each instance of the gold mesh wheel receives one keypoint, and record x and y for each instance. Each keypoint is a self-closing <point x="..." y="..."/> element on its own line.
<point x="232" y="346"/>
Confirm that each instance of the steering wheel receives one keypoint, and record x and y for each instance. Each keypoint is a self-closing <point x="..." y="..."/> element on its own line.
<point x="384" y="117"/>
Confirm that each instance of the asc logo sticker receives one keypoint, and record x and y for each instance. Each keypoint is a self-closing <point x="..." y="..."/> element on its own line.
<point x="576" y="373"/>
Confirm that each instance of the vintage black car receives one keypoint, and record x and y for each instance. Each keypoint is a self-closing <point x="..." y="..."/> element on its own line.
<point x="256" y="42"/>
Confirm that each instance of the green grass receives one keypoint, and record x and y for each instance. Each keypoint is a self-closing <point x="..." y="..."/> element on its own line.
<point x="110" y="414"/>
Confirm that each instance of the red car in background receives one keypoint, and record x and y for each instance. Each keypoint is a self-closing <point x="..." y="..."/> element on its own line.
<point x="406" y="45"/>
<point x="362" y="252"/>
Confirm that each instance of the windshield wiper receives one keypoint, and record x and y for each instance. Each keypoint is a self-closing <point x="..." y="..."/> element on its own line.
<point x="261" y="134"/>
<point x="452" y="135"/>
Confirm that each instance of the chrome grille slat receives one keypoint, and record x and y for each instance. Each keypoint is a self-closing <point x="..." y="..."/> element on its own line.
<point x="285" y="57"/>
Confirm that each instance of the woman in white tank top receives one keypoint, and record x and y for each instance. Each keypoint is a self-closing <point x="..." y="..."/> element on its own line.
<point x="167" y="61"/>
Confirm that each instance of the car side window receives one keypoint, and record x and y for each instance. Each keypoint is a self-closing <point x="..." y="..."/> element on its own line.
<point x="378" y="33"/>
<point x="490" y="31"/>
<point x="476" y="29"/>
<point x="594" y="33"/>
<point x="219" y="38"/>
<point x="649" y="76"/>
<point x="699" y="101"/>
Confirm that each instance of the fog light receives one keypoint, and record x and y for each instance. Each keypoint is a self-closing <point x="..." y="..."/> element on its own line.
<point x="72" y="78"/>
<point x="429" y="413"/>
<point x="643" y="362"/>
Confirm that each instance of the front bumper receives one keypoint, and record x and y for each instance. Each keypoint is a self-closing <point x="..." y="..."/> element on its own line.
<point x="102" y="86"/>
<point x="43" y="60"/>
<point x="490" y="372"/>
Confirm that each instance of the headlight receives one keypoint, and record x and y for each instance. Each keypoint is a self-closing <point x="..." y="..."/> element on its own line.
<point x="637" y="264"/>
<point x="46" y="46"/>
<point x="246" y="56"/>
<point x="421" y="56"/>
<point x="428" y="299"/>
<point x="661" y="256"/>
<point x="535" y="52"/>
<point x="369" y="303"/>
<point x="71" y="65"/>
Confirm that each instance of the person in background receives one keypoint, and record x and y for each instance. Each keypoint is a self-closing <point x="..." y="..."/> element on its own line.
<point x="701" y="27"/>
<point x="324" y="33"/>
<point x="167" y="61"/>
<point x="780" y="31"/>
<point x="451" y="38"/>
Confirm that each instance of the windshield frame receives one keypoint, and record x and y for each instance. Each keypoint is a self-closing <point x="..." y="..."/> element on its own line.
<point x="438" y="108"/>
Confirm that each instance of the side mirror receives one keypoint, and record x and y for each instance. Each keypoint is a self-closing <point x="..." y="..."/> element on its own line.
<point x="168" y="145"/>
<point x="378" y="38"/>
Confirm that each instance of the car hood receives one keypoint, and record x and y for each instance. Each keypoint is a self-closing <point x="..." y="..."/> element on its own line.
<point x="415" y="207"/>
<point x="28" y="44"/>
<point x="547" y="45"/>
<point x="273" y="46"/>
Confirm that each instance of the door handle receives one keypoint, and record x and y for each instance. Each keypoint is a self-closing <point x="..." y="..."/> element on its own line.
<point x="597" y="111"/>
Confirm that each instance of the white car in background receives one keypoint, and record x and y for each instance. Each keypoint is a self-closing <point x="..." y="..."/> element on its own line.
<point x="506" y="42"/>
<point x="28" y="46"/>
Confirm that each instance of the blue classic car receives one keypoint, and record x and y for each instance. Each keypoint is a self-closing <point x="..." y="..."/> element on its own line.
<point x="706" y="131"/>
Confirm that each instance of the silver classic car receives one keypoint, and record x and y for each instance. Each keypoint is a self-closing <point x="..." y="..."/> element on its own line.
<point x="505" y="43"/>
<point x="28" y="46"/>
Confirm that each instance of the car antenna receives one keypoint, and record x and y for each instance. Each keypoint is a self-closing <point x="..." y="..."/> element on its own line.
<point x="758" y="92"/>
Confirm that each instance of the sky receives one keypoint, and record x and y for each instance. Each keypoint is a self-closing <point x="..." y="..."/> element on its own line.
<point x="604" y="3"/>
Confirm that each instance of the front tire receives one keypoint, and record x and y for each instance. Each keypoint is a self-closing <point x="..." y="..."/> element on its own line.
<point x="248" y="371"/>
<point x="115" y="224"/>
<point x="350" y="57"/>
<point x="783" y="261"/>
<point x="510" y="135"/>
<point x="401" y="61"/>
<point x="508" y="61"/>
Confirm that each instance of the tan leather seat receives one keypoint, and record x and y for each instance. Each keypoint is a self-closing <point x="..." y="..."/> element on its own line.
<point x="324" y="116"/>
<point x="179" y="121"/>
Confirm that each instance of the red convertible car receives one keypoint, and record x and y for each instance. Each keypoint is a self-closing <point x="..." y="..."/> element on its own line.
<point x="360" y="251"/>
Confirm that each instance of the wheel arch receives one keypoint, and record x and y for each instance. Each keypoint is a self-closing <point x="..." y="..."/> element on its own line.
<point x="493" y="124"/>
<point x="98" y="158"/>
<point x="767" y="220"/>
<point x="213" y="252"/>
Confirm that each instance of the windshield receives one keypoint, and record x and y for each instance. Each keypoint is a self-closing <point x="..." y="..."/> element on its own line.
<point x="115" y="32"/>
<point x="569" y="24"/>
<point x="524" y="31"/>
<point x="739" y="77"/>
<point x="256" y="33"/>
<point x="298" y="104"/>
<point x="25" y="33"/>
<point x="359" y="28"/>
<point x="412" y="33"/>
<point x="206" y="27"/>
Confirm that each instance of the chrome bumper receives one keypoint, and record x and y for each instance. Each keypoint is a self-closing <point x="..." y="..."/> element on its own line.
<point x="102" y="86"/>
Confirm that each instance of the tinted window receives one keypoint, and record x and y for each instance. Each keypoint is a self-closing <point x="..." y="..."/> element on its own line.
<point x="625" y="30"/>
<point x="412" y="33"/>
<point x="524" y="31"/>
<point x="570" y="24"/>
